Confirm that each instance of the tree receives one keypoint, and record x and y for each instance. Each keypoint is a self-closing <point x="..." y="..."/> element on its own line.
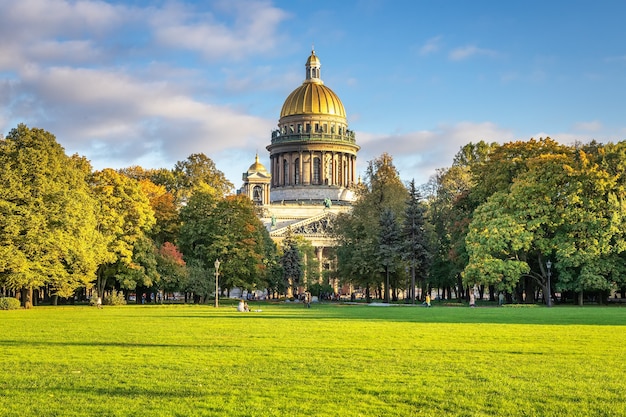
<point x="226" y="229"/>
<point x="450" y="208"/>
<point x="172" y="268"/>
<point x="562" y="208"/>
<point x="415" y="246"/>
<point x="388" y="247"/>
<point x="167" y="223"/>
<point x="358" y="233"/>
<point x="291" y="262"/>
<point x="47" y="216"/>
<point x="199" y="171"/>
<point x="124" y="217"/>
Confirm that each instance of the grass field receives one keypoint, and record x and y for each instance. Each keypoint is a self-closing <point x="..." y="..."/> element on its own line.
<point x="329" y="360"/>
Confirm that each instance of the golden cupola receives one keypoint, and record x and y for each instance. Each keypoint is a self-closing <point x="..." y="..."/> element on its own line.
<point x="312" y="153"/>
<point x="313" y="97"/>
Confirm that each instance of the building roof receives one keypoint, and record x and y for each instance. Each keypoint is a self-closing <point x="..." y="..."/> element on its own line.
<point x="313" y="97"/>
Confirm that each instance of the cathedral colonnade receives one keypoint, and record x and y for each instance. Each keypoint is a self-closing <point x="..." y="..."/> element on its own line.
<point x="311" y="167"/>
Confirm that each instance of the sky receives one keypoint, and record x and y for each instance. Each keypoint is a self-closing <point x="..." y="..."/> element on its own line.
<point x="149" y="83"/>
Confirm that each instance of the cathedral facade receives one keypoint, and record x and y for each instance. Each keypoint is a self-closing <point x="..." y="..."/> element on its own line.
<point x="312" y="175"/>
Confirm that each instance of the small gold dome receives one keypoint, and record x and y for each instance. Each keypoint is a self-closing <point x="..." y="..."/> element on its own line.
<point x="313" y="60"/>
<point x="313" y="98"/>
<point x="257" y="167"/>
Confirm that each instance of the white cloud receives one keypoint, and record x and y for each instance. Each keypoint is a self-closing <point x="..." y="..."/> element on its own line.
<point x="469" y="51"/>
<point x="592" y="126"/>
<point x="253" y="32"/>
<point x="118" y="120"/>
<point x="63" y="73"/>
<point x="432" y="45"/>
<point x="418" y="154"/>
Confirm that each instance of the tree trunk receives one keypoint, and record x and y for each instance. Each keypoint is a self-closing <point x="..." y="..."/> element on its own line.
<point x="580" y="298"/>
<point x="387" y="285"/>
<point x="27" y="297"/>
<point x="530" y="294"/>
<point x="413" y="285"/>
<point x="55" y="300"/>
<point x="461" y="289"/>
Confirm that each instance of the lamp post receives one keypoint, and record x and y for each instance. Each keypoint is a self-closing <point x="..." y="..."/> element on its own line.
<point x="548" y="297"/>
<point x="217" y="283"/>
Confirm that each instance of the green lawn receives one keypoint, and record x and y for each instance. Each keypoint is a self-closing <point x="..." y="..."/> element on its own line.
<point x="325" y="361"/>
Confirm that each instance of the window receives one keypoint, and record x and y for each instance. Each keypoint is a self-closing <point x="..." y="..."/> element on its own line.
<point x="296" y="170"/>
<point x="257" y="195"/>
<point x="317" y="169"/>
<point x="285" y="172"/>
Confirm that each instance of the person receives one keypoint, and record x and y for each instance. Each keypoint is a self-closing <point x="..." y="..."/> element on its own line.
<point x="99" y="302"/>
<point x="242" y="306"/>
<point x="427" y="300"/>
<point x="472" y="302"/>
<point x="501" y="299"/>
<point x="246" y="307"/>
<point x="307" y="299"/>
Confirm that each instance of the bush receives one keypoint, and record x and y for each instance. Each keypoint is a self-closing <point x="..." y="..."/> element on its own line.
<point x="115" y="299"/>
<point x="9" y="303"/>
<point x="520" y="305"/>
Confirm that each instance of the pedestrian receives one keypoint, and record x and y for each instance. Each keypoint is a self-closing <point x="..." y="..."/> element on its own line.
<point x="501" y="299"/>
<point x="99" y="302"/>
<point x="427" y="300"/>
<point x="472" y="302"/>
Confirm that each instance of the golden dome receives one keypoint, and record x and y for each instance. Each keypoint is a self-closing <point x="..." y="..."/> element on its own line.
<point x="313" y="60"/>
<point x="257" y="167"/>
<point x="313" y="98"/>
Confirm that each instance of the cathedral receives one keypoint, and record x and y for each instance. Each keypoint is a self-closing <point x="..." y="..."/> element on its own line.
<point x="312" y="175"/>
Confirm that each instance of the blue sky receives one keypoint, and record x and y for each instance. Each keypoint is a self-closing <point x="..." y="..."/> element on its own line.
<point x="150" y="82"/>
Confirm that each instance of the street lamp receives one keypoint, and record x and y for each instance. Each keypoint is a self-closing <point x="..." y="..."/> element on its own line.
<point x="548" y="297"/>
<point x="217" y="284"/>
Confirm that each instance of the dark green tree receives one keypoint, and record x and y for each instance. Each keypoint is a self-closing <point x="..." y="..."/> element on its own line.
<point x="358" y="232"/>
<point x="415" y="250"/>
<point x="389" y="248"/>
<point x="214" y="227"/>
<point x="291" y="263"/>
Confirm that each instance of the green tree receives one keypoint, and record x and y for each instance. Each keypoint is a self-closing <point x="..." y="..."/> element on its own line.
<point x="197" y="172"/>
<point x="415" y="251"/>
<point x="291" y="262"/>
<point x="450" y="208"/>
<point x="564" y="208"/>
<point x="389" y="248"/>
<point x="229" y="230"/>
<point x="358" y="232"/>
<point x="124" y="217"/>
<point x="47" y="216"/>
